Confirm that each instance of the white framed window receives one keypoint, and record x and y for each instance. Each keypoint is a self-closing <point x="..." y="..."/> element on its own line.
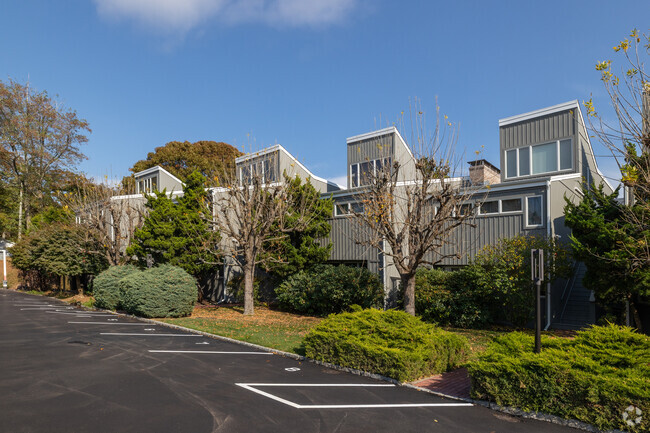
<point x="500" y="206"/>
<point x="346" y="209"/>
<point x="360" y="172"/>
<point x="534" y="211"/>
<point x="539" y="159"/>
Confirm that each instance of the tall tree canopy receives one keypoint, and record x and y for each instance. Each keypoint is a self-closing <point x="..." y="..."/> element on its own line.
<point x="213" y="160"/>
<point x="40" y="143"/>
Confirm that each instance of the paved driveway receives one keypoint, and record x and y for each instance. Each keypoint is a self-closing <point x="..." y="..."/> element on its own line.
<point x="63" y="369"/>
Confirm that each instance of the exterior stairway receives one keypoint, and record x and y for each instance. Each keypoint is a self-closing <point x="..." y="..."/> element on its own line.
<point x="576" y="310"/>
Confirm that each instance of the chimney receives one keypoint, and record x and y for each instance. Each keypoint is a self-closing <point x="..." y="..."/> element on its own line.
<point x="482" y="172"/>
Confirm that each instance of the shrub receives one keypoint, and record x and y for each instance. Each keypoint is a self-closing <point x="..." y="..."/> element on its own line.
<point x="163" y="291"/>
<point x="106" y="288"/>
<point x="391" y="343"/>
<point x="328" y="289"/>
<point x="451" y="298"/>
<point x="593" y="378"/>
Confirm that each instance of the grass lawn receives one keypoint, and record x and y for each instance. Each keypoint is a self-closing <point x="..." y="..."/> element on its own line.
<point x="275" y="329"/>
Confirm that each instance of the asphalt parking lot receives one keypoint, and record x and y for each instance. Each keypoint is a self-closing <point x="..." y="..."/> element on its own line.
<point x="65" y="369"/>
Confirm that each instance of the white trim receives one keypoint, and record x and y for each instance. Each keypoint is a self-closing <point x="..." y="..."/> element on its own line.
<point x="561" y="177"/>
<point x="372" y="134"/>
<point x="539" y="113"/>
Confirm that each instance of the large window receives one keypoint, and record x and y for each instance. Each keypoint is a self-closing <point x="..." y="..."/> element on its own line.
<point x="149" y="184"/>
<point x="344" y="209"/>
<point x="539" y="159"/>
<point x="263" y="169"/>
<point x="361" y="173"/>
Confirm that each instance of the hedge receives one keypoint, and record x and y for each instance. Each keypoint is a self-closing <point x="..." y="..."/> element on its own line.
<point x="391" y="343"/>
<point x="106" y="288"/>
<point x="163" y="291"/>
<point x="326" y="289"/>
<point x="593" y="378"/>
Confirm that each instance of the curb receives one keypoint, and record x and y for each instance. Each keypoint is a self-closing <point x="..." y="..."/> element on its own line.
<point x="554" y="419"/>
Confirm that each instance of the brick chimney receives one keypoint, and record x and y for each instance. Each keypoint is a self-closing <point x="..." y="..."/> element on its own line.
<point x="482" y="172"/>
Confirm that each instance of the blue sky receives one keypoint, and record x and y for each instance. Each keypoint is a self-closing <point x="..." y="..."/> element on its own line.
<point x="305" y="74"/>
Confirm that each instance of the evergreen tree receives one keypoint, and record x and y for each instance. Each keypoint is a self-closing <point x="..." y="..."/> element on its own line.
<point x="301" y="247"/>
<point x="177" y="233"/>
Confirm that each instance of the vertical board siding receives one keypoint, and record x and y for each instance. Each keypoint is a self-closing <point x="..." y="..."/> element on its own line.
<point x="344" y="235"/>
<point x="370" y="149"/>
<point x="538" y="130"/>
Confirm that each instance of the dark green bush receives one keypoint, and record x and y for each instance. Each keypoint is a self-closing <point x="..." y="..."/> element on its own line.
<point x="163" y="291"/>
<point x="452" y="298"/>
<point x="391" y="343"/>
<point x="328" y="289"/>
<point x="592" y="378"/>
<point x="106" y="288"/>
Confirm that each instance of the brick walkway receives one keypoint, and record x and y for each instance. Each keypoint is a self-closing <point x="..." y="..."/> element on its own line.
<point x="455" y="383"/>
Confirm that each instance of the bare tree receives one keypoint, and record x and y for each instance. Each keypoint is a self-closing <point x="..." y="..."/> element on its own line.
<point x="410" y="218"/>
<point x="108" y="212"/>
<point x="39" y="143"/>
<point x="253" y="210"/>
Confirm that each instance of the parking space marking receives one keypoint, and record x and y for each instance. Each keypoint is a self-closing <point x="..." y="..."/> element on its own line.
<point x="36" y="308"/>
<point x="150" y="335"/>
<point x="251" y="387"/>
<point x="211" y="351"/>
<point x="110" y="323"/>
<point x="76" y="314"/>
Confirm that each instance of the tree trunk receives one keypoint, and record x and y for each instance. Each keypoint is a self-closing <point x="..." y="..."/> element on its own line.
<point x="635" y="315"/>
<point x="408" y="282"/>
<point x="80" y="288"/>
<point x="249" y="276"/>
<point x="20" y="212"/>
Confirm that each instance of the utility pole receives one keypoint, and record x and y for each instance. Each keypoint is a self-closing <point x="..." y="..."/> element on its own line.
<point x="537" y="275"/>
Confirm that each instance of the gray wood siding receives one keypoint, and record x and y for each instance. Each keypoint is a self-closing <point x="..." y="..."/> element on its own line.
<point x="344" y="235"/>
<point x="370" y="149"/>
<point x="538" y="130"/>
<point x="165" y="181"/>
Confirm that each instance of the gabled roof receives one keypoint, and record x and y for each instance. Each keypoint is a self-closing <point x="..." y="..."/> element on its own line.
<point x="155" y="169"/>
<point x="379" y="133"/>
<point x="278" y="147"/>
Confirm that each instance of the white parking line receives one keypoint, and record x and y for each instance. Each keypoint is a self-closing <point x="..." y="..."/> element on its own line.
<point x="250" y="387"/>
<point x="76" y="314"/>
<point x="150" y="335"/>
<point x="110" y="323"/>
<point x="211" y="351"/>
<point x="37" y="308"/>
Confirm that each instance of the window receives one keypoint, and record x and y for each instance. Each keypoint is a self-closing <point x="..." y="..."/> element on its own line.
<point x="341" y="209"/>
<point x="264" y="169"/>
<point x="356" y="207"/>
<point x="544" y="158"/>
<point x="489" y="207"/>
<point x="524" y="161"/>
<point x="511" y="163"/>
<point x="511" y="205"/>
<point x="354" y="175"/>
<point x="566" y="154"/>
<point x="539" y="159"/>
<point x="534" y="211"/>
<point x="361" y="173"/>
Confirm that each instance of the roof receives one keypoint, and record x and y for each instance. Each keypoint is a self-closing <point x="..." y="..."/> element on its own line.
<point x="541" y="112"/>
<point x="155" y="169"/>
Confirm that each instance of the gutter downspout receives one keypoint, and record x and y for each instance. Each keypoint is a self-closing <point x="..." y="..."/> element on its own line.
<point x="548" y="234"/>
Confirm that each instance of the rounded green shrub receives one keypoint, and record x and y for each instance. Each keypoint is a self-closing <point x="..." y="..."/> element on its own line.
<point x="106" y="288"/>
<point x="593" y="377"/>
<point x="452" y="298"/>
<point x="163" y="291"/>
<point x="391" y="343"/>
<point x="326" y="289"/>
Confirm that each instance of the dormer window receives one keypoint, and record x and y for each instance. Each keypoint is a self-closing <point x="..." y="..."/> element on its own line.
<point x="146" y="185"/>
<point x="361" y="173"/>
<point x="539" y="159"/>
